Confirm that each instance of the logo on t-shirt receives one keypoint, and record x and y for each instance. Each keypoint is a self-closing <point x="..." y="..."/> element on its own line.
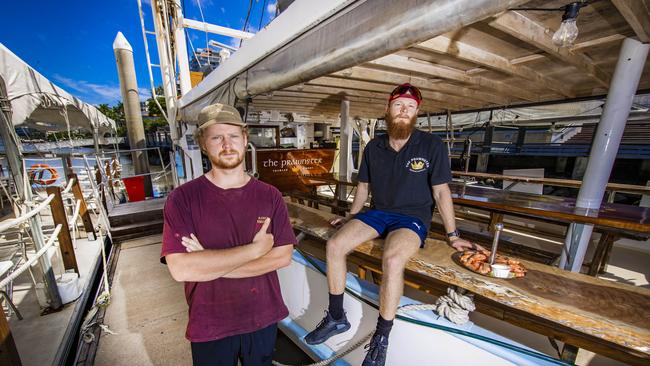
<point x="417" y="165"/>
<point x="260" y="222"/>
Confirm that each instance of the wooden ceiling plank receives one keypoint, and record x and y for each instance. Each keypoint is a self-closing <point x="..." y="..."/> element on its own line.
<point x="467" y="52"/>
<point x="597" y="42"/>
<point x="637" y="15"/>
<point x="394" y="78"/>
<point x="519" y="26"/>
<point x="374" y="87"/>
<point x="429" y="69"/>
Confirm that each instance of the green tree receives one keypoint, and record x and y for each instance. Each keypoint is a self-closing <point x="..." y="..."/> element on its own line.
<point x="152" y="107"/>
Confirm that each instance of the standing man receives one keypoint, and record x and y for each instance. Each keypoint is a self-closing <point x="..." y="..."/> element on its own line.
<point x="225" y="235"/>
<point x="407" y="172"/>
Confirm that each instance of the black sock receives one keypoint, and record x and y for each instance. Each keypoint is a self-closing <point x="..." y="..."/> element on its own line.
<point x="383" y="326"/>
<point x="336" y="306"/>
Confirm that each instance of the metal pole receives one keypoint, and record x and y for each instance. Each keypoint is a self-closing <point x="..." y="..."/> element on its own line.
<point x="14" y="158"/>
<point x="96" y="139"/>
<point x="345" y="144"/>
<point x="631" y="61"/>
<point x="181" y="50"/>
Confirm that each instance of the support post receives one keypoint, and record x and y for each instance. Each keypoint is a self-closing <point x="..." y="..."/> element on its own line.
<point x="8" y="352"/>
<point x="15" y="158"/>
<point x="521" y="138"/>
<point x="96" y="140"/>
<point x="83" y="208"/>
<point x="132" y="112"/>
<point x="65" y="240"/>
<point x="345" y="147"/>
<point x="631" y="61"/>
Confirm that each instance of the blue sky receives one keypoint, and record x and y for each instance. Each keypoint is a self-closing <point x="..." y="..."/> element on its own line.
<point x="70" y="42"/>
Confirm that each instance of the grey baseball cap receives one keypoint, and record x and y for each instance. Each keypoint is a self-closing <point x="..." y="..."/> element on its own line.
<point x="219" y="113"/>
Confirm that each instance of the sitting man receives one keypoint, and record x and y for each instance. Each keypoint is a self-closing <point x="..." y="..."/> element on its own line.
<point x="407" y="171"/>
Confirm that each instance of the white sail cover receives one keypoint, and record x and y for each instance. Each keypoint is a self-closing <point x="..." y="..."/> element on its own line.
<point x="36" y="102"/>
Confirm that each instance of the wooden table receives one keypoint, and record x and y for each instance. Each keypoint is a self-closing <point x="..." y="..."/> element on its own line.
<point x="611" y="219"/>
<point x="602" y="316"/>
<point x="571" y="183"/>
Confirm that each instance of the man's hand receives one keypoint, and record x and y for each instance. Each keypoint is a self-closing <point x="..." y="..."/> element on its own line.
<point x="262" y="241"/>
<point x="462" y="244"/>
<point x="340" y="221"/>
<point x="191" y="244"/>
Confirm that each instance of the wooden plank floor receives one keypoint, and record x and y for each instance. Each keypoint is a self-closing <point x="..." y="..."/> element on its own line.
<point x="137" y="207"/>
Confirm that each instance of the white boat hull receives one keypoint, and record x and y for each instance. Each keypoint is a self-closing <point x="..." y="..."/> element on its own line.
<point x="305" y="293"/>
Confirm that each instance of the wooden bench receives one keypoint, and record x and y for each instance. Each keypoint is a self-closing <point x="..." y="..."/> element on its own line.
<point x="601" y="316"/>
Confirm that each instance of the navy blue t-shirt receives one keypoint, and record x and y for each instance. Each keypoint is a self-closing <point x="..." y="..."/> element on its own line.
<point x="401" y="181"/>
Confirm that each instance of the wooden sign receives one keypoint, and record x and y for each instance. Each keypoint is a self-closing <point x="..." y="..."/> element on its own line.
<point x="288" y="169"/>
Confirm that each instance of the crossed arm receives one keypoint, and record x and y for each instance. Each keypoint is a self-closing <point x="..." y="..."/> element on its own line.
<point x="250" y="260"/>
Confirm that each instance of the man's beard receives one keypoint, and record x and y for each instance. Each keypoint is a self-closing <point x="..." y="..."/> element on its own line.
<point x="400" y="130"/>
<point x="230" y="163"/>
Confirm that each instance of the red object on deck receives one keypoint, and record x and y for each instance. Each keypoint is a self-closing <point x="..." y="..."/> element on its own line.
<point x="134" y="188"/>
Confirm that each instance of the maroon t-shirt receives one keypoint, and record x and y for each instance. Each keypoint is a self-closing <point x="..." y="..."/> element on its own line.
<point x="225" y="218"/>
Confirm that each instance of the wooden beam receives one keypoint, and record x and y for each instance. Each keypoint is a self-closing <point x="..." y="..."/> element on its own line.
<point x="597" y="42"/>
<point x="405" y="64"/>
<point x="533" y="33"/>
<point x="378" y="88"/>
<point x="8" y="352"/>
<point x="526" y="59"/>
<point x="83" y="208"/>
<point x="467" y="52"/>
<point x="358" y="95"/>
<point x="371" y="74"/>
<point x="428" y="94"/>
<point x="637" y="15"/>
<point x="65" y="240"/>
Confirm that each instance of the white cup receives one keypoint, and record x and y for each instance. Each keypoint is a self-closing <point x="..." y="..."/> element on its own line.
<point x="500" y="270"/>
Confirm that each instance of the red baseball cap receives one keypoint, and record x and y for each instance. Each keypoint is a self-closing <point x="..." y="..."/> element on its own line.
<point x="406" y="91"/>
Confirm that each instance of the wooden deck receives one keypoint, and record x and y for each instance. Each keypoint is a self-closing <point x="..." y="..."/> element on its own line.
<point x="600" y="316"/>
<point x="136" y="219"/>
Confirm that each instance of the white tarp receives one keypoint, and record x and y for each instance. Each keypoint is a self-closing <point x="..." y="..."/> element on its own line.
<point x="36" y="102"/>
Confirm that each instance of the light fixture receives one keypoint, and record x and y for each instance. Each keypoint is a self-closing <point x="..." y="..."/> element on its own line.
<point x="568" y="31"/>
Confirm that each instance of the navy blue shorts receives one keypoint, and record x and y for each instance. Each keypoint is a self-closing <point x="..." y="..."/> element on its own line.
<point x="385" y="222"/>
<point x="253" y="349"/>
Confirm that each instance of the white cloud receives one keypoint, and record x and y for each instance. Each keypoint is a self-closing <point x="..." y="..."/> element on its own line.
<point x="223" y="10"/>
<point x="203" y="3"/>
<point x="97" y="93"/>
<point x="234" y="42"/>
<point x="148" y="2"/>
<point x="272" y="8"/>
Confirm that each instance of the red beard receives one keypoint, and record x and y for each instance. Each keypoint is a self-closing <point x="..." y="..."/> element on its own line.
<point x="230" y="163"/>
<point x="400" y="130"/>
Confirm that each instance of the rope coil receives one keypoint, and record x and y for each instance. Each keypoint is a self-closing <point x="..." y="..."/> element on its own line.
<point x="455" y="306"/>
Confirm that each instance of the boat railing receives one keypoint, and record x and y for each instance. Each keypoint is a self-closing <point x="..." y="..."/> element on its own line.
<point x="110" y="174"/>
<point x="64" y="235"/>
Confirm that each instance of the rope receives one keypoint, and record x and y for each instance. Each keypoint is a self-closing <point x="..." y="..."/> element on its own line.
<point x="33" y="259"/>
<point x="13" y="222"/>
<point x="103" y="300"/>
<point x="455" y="306"/>
<point x="68" y="187"/>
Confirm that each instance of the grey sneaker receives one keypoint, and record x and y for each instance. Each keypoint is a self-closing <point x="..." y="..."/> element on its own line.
<point x="327" y="328"/>
<point x="376" y="349"/>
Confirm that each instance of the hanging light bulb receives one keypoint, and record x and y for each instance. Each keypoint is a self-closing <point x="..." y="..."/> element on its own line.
<point x="568" y="31"/>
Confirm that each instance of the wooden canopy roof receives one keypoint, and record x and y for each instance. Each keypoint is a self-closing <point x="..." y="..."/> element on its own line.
<point x="505" y="60"/>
